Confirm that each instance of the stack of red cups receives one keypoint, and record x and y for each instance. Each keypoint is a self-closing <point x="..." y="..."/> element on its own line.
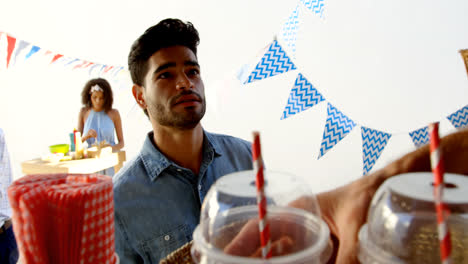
<point x="64" y="218"/>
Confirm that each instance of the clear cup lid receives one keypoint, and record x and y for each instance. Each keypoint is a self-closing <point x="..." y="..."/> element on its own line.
<point x="230" y="209"/>
<point x="402" y="223"/>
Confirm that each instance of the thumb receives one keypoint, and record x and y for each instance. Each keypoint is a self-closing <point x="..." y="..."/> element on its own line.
<point x="347" y="250"/>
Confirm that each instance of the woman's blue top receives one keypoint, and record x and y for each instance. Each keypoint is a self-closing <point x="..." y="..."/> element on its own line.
<point x="103" y="125"/>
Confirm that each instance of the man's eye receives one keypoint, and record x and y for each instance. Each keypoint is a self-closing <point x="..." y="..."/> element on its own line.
<point x="164" y="75"/>
<point x="194" y="72"/>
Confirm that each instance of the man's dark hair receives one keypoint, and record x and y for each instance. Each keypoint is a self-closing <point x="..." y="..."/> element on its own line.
<point x="167" y="33"/>
<point x="106" y="89"/>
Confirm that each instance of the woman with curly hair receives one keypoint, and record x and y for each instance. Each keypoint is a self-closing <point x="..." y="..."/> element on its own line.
<point x="98" y="120"/>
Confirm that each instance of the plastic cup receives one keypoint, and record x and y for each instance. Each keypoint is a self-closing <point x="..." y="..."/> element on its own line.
<point x="402" y="225"/>
<point x="230" y="212"/>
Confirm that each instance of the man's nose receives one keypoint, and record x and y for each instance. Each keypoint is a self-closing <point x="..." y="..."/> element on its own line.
<point x="183" y="82"/>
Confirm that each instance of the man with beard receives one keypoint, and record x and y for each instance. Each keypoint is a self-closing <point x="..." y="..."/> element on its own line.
<point x="158" y="195"/>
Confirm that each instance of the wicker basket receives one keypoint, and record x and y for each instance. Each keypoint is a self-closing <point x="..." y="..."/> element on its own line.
<point x="181" y="255"/>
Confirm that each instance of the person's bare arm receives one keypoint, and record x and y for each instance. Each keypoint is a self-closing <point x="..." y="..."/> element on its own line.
<point x="81" y="120"/>
<point x="115" y="116"/>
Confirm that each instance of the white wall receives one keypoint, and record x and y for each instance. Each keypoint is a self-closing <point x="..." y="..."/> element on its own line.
<point x="388" y="65"/>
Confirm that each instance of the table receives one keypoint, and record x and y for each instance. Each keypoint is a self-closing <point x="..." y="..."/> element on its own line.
<point x="90" y="165"/>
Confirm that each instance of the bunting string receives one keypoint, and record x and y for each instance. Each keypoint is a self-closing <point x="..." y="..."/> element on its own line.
<point x="17" y="49"/>
<point x="304" y="95"/>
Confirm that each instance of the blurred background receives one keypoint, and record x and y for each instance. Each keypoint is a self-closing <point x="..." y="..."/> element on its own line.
<point x="392" y="66"/>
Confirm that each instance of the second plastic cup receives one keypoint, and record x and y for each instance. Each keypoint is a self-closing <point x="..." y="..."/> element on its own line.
<point x="229" y="232"/>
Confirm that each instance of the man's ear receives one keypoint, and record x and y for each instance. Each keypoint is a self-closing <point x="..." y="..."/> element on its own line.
<point x="137" y="91"/>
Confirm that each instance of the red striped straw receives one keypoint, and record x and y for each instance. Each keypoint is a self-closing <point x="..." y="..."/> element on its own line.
<point x="437" y="165"/>
<point x="263" y="225"/>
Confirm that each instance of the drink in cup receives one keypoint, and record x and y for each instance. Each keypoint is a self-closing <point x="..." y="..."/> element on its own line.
<point x="229" y="223"/>
<point x="402" y="222"/>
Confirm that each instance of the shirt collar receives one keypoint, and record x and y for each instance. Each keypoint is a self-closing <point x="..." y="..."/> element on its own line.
<point x="155" y="162"/>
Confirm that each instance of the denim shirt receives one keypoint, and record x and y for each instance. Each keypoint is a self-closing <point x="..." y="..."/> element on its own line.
<point x="157" y="202"/>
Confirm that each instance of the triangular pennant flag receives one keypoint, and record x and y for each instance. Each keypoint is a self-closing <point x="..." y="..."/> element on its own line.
<point x="337" y="127"/>
<point x="87" y="65"/>
<point x="108" y="68"/>
<point x="420" y="136"/>
<point x="290" y="29"/>
<point x="80" y="65"/>
<point x="21" y="46"/>
<point x="11" y="46"/>
<point x="92" y="67"/>
<point x="459" y="119"/>
<point x="55" y="58"/>
<point x="72" y="61"/>
<point x="373" y="143"/>
<point x="113" y="70"/>
<point x="33" y="50"/>
<point x="102" y="68"/>
<point x="275" y="61"/>
<point x="303" y="96"/>
<point x="65" y="60"/>
<point x="118" y="70"/>
<point x="316" y="6"/>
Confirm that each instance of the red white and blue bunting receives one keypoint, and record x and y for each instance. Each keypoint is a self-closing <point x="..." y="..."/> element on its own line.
<point x="17" y="49"/>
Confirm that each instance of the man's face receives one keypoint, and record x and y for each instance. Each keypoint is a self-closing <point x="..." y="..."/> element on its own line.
<point x="173" y="89"/>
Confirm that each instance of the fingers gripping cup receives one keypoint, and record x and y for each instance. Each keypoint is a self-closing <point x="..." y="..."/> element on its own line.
<point x="229" y="226"/>
<point x="402" y="221"/>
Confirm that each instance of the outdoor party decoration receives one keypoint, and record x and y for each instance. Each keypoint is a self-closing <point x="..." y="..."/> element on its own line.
<point x="15" y="47"/>
<point x="290" y="29"/>
<point x="459" y="119"/>
<point x="316" y="6"/>
<point x="337" y="127"/>
<point x="303" y="96"/>
<point x="33" y="50"/>
<point x="274" y="62"/>
<point x="11" y="45"/>
<point x="373" y="143"/>
<point x="20" y="47"/>
<point x="420" y="136"/>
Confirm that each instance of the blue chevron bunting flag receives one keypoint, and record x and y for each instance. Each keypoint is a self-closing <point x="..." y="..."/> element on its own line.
<point x="290" y="29"/>
<point x="420" y="136"/>
<point x="275" y="61"/>
<point x="459" y="119"/>
<point x="316" y="6"/>
<point x="373" y="143"/>
<point x="337" y="127"/>
<point x="303" y="96"/>
<point x="33" y="50"/>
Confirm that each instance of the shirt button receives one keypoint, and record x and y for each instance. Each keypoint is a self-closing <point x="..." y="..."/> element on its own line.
<point x="199" y="187"/>
<point x="167" y="237"/>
